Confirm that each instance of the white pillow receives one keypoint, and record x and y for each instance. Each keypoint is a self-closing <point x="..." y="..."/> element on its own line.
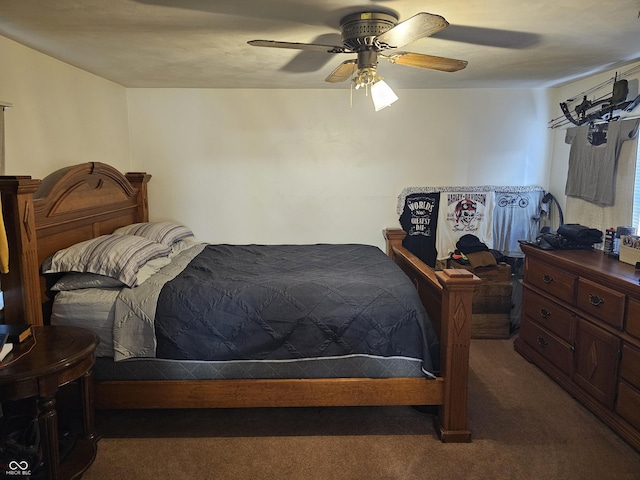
<point x="166" y="233"/>
<point x="116" y="256"/>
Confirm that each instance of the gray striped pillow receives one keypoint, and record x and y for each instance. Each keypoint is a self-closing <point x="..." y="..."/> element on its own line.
<point x="116" y="256"/>
<point x="166" y="233"/>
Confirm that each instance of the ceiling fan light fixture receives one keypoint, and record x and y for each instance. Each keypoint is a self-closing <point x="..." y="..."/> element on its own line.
<point x="382" y="95"/>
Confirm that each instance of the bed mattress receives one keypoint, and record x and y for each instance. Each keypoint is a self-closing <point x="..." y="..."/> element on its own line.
<point x="350" y="366"/>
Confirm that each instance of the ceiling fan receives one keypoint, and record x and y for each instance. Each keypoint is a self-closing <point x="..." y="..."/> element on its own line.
<point x="370" y="35"/>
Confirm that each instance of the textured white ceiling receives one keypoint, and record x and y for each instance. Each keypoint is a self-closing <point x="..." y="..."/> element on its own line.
<point x="203" y="43"/>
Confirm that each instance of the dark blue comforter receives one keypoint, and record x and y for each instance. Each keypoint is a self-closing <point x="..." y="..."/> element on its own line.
<point x="276" y="302"/>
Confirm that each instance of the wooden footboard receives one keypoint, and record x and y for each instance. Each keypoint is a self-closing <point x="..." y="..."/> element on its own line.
<point x="84" y="201"/>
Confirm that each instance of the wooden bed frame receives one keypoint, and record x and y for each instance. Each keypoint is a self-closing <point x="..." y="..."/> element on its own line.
<point x="91" y="199"/>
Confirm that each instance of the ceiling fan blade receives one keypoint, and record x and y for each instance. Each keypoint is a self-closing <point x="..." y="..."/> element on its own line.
<point x="426" y="61"/>
<point x="299" y="46"/>
<point x="343" y="72"/>
<point x="420" y="25"/>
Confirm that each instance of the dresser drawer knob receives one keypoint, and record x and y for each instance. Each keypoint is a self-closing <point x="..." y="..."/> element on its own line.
<point x="544" y="313"/>
<point x="546" y="278"/>
<point x="542" y="342"/>
<point x="595" y="300"/>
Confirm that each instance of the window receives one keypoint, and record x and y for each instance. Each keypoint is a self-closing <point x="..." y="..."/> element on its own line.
<point x="636" y="193"/>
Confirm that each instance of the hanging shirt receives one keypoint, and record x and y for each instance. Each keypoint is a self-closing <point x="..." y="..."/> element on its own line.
<point x="516" y="216"/>
<point x="592" y="160"/>
<point x="419" y="219"/>
<point x="463" y="212"/>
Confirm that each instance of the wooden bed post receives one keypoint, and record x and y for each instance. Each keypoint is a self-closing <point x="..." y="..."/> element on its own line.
<point x="447" y="296"/>
<point x="393" y="237"/>
<point x="455" y="339"/>
<point x="21" y="285"/>
<point x="139" y="180"/>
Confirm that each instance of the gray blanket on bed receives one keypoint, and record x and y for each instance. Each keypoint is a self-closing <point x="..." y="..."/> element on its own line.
<point x="280" y="302"/>
<point x="135" y="310"/>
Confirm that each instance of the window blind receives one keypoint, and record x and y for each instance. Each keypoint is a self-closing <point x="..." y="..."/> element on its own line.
<point x="636" y="192"/>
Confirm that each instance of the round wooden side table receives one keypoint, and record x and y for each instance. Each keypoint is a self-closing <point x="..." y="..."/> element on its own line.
<point x="53" y="357"/>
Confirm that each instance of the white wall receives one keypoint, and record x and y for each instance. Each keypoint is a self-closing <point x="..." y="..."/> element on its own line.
<point x="273" y="166"/>
<point x="61" y="115"/>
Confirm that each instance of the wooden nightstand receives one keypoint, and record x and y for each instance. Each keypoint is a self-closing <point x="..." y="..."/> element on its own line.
<point x="56" y="356"/>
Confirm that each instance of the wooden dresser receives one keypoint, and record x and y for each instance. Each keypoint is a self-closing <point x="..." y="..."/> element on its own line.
<point x="581" y="325"/>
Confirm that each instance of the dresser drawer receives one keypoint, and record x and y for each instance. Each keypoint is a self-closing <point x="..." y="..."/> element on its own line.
<point x="601" y="302"/>
<point x="551" y="280"/>
<point x="548" y="345"/>
<point x="630" y="365"/>
<point x="549" y="314"/>
<point x="628" y="404"/>
<point x="633" y="318"/>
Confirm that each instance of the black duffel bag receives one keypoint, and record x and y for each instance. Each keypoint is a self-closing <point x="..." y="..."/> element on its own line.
<point x="577" y="233"/>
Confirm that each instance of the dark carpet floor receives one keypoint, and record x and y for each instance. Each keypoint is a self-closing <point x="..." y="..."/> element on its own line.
<point x="524" y="427"/>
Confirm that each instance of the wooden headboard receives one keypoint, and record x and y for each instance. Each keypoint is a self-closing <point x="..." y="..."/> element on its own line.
<point x="71" y="205"/>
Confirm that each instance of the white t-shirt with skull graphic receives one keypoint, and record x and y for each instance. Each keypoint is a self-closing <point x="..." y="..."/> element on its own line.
<point x="461" y="213"/>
